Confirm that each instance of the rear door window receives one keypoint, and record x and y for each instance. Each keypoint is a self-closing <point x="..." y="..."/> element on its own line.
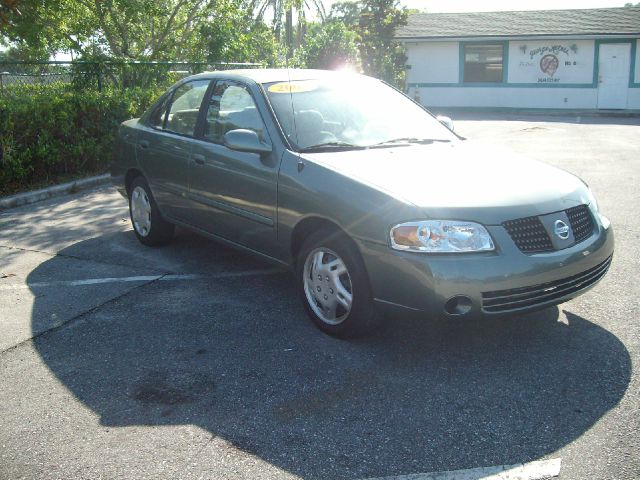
<point x="185" y="107"/>
<point x="156" y="119"/>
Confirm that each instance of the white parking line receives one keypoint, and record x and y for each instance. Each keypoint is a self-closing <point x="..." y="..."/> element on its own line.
<point x="142" y="278"/>
<point x="538" y="470"/>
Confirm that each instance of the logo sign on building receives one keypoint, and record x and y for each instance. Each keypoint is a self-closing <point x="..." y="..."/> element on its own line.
<point x="549" y="65"/>
<point x="551" y="62"/>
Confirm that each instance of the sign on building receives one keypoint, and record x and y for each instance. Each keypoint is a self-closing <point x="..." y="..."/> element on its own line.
<point x="551" y="62"/>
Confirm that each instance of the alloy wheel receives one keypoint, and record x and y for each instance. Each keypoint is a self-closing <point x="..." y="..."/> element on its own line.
<point x="141" y="211"/>
<point x="327" y="285"/>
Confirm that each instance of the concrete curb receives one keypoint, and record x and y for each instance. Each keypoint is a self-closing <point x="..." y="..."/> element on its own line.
<point x="26" y="198"/>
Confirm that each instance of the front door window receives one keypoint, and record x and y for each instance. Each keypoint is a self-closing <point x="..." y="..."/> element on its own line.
<point x="231" y="107"/>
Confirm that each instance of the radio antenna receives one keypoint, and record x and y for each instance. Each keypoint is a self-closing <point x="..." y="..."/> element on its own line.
<point x="289" y="86"/>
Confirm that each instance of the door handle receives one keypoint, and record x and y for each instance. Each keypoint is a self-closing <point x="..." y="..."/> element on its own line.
<point x="144" y="144"/>
<point x="199" y="159"/>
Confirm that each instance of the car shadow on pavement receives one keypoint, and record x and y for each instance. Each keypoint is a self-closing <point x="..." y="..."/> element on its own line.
<point x="237" y="357"/>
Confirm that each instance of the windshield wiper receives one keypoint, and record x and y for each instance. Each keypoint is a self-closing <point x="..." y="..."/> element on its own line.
<point x="350" y="146"/>
<point x="422" y="141"/>
<point x="331" y="146"/>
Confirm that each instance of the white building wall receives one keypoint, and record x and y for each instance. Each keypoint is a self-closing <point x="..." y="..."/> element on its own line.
<point x="435" y="75"/>
<point x="433" y="62"/>
<point x="505" y="97"/>
<point x="633" y="100"/>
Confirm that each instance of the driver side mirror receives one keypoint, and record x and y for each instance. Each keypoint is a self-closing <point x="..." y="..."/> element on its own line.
<point x="446" y="121"/>
<point x="243" y="140"/>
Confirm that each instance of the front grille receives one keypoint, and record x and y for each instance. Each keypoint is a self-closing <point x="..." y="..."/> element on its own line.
<point x="581" y="222"/>
<point x="529" y="235"/>
<point x="526" y="297"/>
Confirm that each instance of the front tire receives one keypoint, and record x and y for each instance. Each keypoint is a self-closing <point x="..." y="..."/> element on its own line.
<point x="334" y="285"/>
<point x="148" y="225"/>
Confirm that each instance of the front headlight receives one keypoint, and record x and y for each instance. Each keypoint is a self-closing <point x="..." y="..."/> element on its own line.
<point x="592" y="201"/>
<point x="441" y="236"/>
<point x="606" y="223"/>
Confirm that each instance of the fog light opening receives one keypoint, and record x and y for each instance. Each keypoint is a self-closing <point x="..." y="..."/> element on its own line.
<point x="458" y="305"/>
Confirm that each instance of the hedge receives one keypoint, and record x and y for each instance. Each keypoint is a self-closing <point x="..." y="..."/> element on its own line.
<point x="52" y="132"/>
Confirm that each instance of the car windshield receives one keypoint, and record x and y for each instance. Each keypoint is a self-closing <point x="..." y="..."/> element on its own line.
<point x="350" y="112"/>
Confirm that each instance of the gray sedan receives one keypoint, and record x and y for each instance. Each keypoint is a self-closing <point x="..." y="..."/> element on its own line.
<point x="373" y="202"/>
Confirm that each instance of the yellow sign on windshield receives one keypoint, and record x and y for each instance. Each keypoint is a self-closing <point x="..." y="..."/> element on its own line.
<point x="294" y="87"/>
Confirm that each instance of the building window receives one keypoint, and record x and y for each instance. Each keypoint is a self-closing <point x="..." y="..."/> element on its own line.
<point x="483" y="63"/>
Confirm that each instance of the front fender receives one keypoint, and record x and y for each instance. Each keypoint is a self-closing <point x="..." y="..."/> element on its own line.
<point x="307" y="189"/>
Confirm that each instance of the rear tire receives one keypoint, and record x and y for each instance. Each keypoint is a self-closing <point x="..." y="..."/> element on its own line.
<point x="334" y="286"/>
<point x="148" y="225"/>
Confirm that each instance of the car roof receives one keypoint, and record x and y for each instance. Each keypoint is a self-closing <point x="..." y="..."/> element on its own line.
<point x="267" y="75"/>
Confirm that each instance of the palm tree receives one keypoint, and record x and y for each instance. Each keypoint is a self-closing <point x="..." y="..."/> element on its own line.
<point x="286" y="8"/>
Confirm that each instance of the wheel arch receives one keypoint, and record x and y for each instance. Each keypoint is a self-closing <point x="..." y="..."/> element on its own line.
<point x="130" y="176"/>
<point x="364" y="316"/>
<point x="309" y="225"/>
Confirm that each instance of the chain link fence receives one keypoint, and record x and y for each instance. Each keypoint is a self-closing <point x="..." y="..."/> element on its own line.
<point x="106" y="74"/>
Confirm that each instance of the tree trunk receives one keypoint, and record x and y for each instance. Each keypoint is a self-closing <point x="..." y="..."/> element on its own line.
<point x="289" y="30"/>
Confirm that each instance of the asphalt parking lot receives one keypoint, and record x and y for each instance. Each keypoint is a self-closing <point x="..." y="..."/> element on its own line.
<point x="196" y="361"/>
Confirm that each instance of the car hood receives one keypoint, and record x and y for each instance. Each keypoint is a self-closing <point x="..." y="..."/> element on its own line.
<point x="461" y="180"/>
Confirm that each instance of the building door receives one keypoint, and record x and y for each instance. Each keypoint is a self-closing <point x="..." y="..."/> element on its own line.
<point x="613" y="75"/>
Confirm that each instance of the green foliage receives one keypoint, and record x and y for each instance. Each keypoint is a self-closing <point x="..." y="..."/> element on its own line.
<point x="8" y="8"/>
<point x="236" y="37"/>
<point x="49" y="25"/>
<point x="376" y="22"/>
<point x="346" y="12"/>
<point x="328" y="46"/>
<point x="129" y="29"/>
<point x="255" y="43"/>
<point x="98" y="72"/>
<point x="49" y="132"/>
<point x="22" y="53"/>
<point x="150" y="30"/>
<point x="283" y="10"/>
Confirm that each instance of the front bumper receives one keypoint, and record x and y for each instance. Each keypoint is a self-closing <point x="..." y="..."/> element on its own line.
<point x="501" y="282"/>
